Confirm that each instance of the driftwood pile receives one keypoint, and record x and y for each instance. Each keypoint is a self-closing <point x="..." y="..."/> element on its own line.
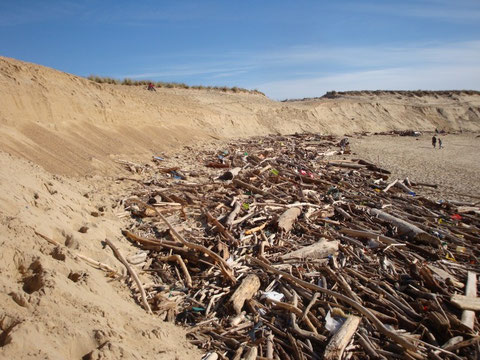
<point x="268" y="250"/>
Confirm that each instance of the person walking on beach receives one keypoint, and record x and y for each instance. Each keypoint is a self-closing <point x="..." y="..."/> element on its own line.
<point x="343" y="143"/>
<point x="439" y="143"/>
<point x="434" y="141"/>
<point x="151" y="87"/>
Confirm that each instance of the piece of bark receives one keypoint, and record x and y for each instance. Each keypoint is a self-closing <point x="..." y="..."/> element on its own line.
<point x="319" y="250"/>
<point x="340" y="340"/>
<point x="245" y="291"/>
<point x="286" y="220"/>
<point x="404" y="228"/>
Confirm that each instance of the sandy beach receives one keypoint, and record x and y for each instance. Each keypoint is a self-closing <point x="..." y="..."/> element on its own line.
<point x="455" y="168"/>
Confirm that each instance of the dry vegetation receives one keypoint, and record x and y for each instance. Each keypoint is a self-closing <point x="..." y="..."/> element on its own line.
<point x="404" y="93"/>
<point x="169" y="85"/>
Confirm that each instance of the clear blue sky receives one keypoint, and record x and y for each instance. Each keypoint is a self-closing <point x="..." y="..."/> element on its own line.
<point x="288" y="49"/>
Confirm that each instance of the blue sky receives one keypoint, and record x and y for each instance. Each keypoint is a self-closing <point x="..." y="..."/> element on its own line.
<point x="287" y="49"/>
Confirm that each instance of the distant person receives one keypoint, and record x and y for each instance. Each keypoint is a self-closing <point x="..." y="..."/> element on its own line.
<point x="151" y="87"/>
<point x="434" y="142"/>
<point x="440" y="143"/>
<point x="343" y="143"/>
<point x="436" y="131"/>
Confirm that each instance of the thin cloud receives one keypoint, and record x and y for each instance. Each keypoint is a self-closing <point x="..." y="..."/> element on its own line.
<point x="375" y="55"/>
<point x="307" y="70"/>
<point x="189" y="70"/>
<point x="451" y="11"/>
<point x="408" y="78"/>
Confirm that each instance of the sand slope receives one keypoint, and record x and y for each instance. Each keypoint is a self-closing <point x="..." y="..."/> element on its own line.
<point x="51" y="316"/>
<point x="73" y="126"/>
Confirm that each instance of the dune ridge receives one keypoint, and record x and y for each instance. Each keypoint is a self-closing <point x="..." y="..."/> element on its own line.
<point x="74" y="126"/>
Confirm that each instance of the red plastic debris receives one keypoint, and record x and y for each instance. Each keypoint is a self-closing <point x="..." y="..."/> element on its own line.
<point x="456" y="217"/>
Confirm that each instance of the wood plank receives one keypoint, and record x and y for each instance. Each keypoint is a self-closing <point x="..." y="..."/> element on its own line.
<point x="468" y="316"/>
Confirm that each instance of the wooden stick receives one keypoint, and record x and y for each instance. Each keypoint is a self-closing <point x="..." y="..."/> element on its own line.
<point x="295" y="310"/>
<point x="390" y="185"/>
<point x="270" y="345"/>
<point x="367" y="313"/>
<point x="256" y="229"/>
<point x="404" y="187"/>
<point x="297" y="354"/>
<point x="132" y="274"/>
<point x="340" y="340"/>
<point x="307" y="334"/>
<point x="95" y="263"/>
<point x="180" y="262"/>
<point x="220" y="227"/>
<point x="231" y="217"/>
<point x="252" y="188"/>
<point x="346" y="165"/>
<point x="369" y="235"/>
<point x="368" y="347"/>
<point x="153" y="242"/>
<point x="309" y="306"/>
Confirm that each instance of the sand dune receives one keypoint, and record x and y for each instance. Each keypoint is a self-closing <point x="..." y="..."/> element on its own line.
<point x="73" y="126"/>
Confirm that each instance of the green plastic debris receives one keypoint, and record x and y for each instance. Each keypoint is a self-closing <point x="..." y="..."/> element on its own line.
<point x="245" y="206"/>
<point x="274" y="172"/>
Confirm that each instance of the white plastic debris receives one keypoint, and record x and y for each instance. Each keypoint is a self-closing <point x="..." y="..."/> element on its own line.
<point x="210" y="356"/>
<point x="332" y="324"/>
<point x="273" y="295"/>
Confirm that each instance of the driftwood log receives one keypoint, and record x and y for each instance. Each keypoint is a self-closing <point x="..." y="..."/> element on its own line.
<point x="245" y="291"/>
<point x="340" y="340"/>
<point x="287" y="219"/>
<point x="405" y="228"/>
